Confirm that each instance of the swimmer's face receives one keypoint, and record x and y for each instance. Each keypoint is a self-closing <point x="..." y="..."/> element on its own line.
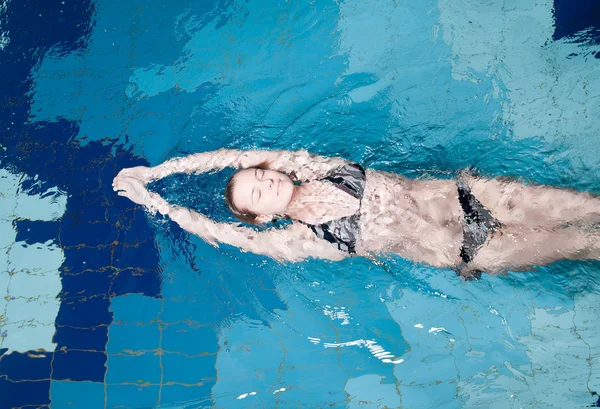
<point x="262" y="192"/>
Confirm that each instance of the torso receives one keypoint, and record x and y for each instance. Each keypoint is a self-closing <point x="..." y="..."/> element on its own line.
<point x="417" y="219"/>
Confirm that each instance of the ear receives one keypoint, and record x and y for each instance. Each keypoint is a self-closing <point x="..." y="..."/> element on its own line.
<point x="262" y="218"/>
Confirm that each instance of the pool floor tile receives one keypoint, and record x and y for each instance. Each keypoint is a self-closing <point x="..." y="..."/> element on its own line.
<point x="133" y="337"/>
<point x="90" y="283"/>
<point x="42" y="310"/>
<point x="181" y="337"/>
<point x="31" y="366"/>
<point x="27" y="336"/>
<point x="187" y="370"/>
<point x="24" y="394"/>
<point x="131" y="396"/>
<point x="79" y="366"/>
<point x="90" y="339"/>
<point x="134" y="256"/>
<point x="135" y="308"/>
<point x="36" y="231"/>
<point x="186" y="394"/>
<point x="84" y="313"/>
<point x="5" y="279"/>
<point x="7" y="233"/>
<point x="35" y="259"/>
<point x="47" y="284"/>
<point x="137" y="369"/>
<point x="80" y="259"/>
<point x="75" y="395"/>
<point x="132" y="281"/>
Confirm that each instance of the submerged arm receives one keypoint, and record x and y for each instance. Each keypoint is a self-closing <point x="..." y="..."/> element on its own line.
<point x="290" y="244"/>
<point x="304" y="165"/>
<point x="294" y="243"/>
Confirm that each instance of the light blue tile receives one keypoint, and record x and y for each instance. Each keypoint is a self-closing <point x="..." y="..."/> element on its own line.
<point x="181" y="337"/>
<point x="193" y="309"/>
<point x="137" y="369"/>
<point x="49" y="205"/>
<point x="47" y="285"/>
<point x="4" y="267"/>
<point x="371" y="391"/>
<point x="431" y="395"/>
<point x="43" y="310"/>
<point x="9" y="184"/>
<point x="75" y="395"/>
<point x="186" y="394"/>
<point x="135" y="308"/>
<point x="4" y="283"/>
<point x="189" y="370"/>
<point x="131" y="396"/>
<point x="35" y="258"/>
<point x="7" y="233"/>
<point x="28" y="336"/>
<point x="132" y="337"/>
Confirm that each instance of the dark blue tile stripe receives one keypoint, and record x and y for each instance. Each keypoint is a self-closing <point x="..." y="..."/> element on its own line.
<point x="32" y="366"/>
<point x="100" y="259"/>
<point x="36" y="231"/>
<point x="23" y="393"/>
<point x="573" y="16"/>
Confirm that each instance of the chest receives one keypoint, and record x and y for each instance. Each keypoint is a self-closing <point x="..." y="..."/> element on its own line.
<point x="322" y="201"/>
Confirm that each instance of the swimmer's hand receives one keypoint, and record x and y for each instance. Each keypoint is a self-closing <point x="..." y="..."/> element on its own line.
<point x="135" y="190"/>
<point x="132" y="188"/>
<point x="141" y="173"/>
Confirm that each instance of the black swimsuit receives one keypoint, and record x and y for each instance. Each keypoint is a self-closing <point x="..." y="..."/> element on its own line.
<point x="344" y="232"/>
<point x="478" y="223"/>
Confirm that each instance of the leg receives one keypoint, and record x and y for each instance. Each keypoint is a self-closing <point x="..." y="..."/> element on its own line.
<point x="532" y="206"/>
<point x="518" y="247"/>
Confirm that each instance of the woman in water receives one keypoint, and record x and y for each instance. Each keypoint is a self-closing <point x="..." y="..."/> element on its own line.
<point x="340" y="209"/>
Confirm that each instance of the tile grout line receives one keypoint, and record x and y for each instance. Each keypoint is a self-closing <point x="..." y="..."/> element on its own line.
<point x="108" y="336"/>
<point x="160" y="351"/>
<point x="51" y="375"/>
<point x="8" y="250"/>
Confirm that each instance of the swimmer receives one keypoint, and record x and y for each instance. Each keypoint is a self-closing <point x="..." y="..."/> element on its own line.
<point x="340" y="209"/>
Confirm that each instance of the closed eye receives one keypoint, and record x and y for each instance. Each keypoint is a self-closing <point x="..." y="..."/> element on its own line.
<point x="255" y="195"/>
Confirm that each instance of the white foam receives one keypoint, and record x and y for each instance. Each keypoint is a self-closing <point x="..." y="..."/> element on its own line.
<point x="376" y="350"/>
<point x="245" y="395"/>
<point x="4" y="35"/>
<point x="435" y="330"/>
<point x="337" y="313"/>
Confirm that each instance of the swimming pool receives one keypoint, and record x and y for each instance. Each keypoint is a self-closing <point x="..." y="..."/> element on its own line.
<point x="104" y="306"/>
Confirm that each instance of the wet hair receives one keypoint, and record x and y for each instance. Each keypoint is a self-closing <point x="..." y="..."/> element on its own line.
<point x="243" y="215"/>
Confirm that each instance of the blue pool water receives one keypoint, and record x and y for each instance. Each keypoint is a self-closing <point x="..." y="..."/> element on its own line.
<point x="104" y="306"/>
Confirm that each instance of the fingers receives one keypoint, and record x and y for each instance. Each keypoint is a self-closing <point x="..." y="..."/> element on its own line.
<point x="139" y="173"/>
<point x="117" y="185"/>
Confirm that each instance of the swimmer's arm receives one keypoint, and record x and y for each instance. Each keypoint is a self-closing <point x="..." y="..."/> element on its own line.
<point x="294" y="243"/>
<point x="303" y="164"/>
